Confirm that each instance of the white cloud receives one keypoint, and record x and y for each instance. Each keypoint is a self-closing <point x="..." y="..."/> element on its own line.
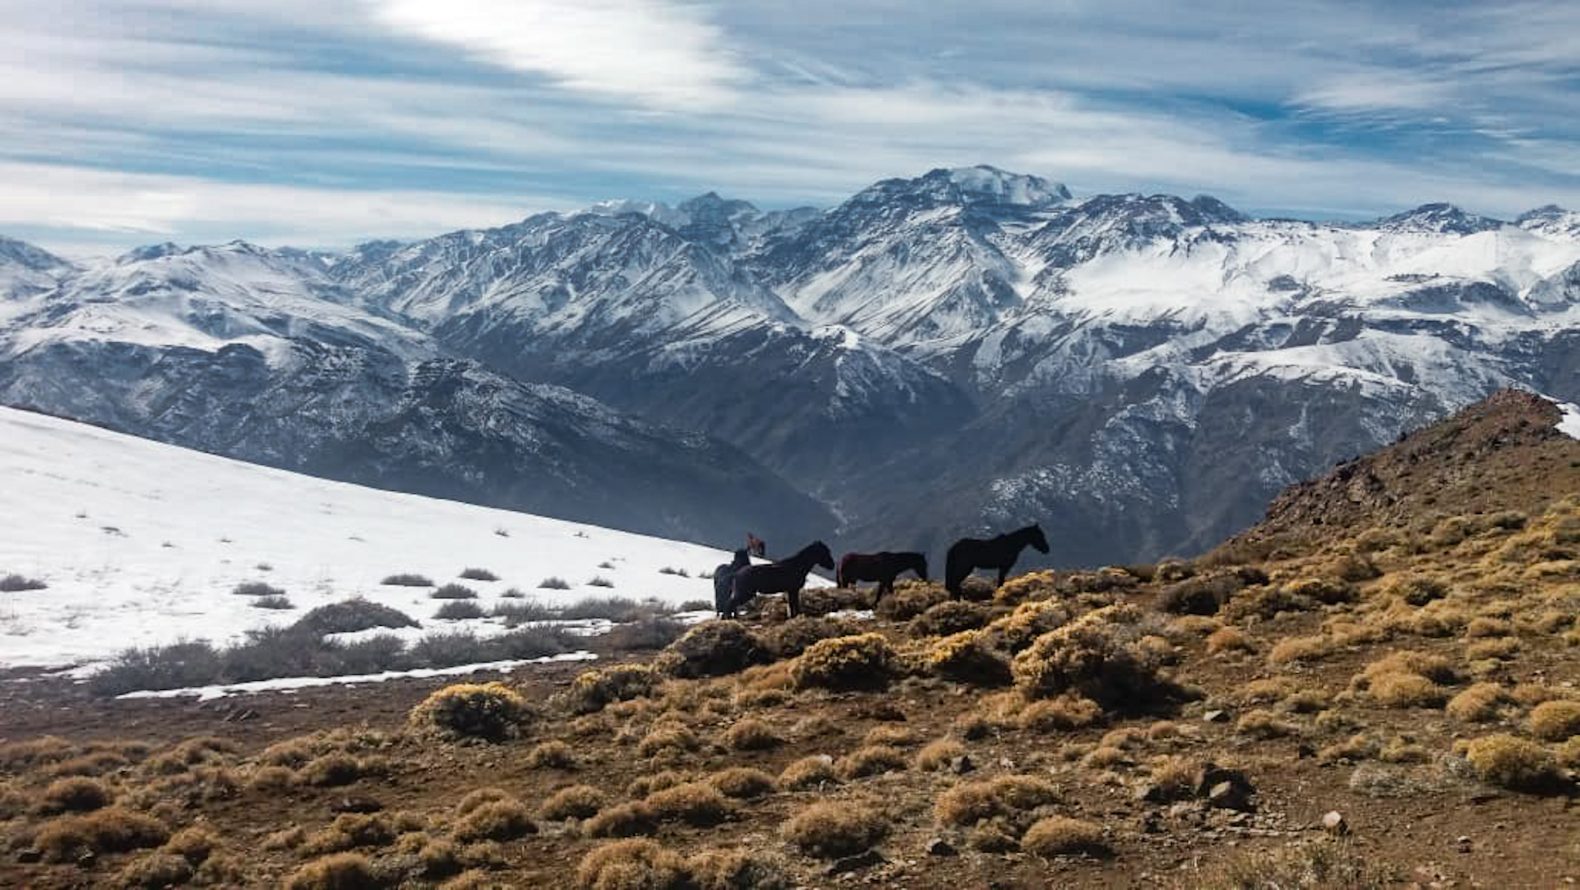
<point x="657" y="53"/>
<point x="145" y="207"/>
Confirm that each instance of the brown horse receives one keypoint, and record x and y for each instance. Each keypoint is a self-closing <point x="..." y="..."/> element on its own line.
<point x="880" y="567"/>
<point x="999" y="553"/>
<point x="786" y="576"/>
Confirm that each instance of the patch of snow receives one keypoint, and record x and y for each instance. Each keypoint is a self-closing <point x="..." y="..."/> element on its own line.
<point x="141" y="544"/>
<point x="1569" y="423"/>
<point x="292" y="684"/>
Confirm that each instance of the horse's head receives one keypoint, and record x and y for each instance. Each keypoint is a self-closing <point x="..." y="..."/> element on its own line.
<point x="1038" y="540"/>
<point x="821" y="555"/>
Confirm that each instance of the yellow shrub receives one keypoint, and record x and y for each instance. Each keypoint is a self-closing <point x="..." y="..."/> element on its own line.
<point x="477" y="710"/>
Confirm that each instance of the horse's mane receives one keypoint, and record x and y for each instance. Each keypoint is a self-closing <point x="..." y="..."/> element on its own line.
<point x="805" y="552"/>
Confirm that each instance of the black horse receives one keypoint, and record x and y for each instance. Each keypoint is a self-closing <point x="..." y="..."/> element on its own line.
<point x="994" y="553"/>
<point x="787" y="576"/>
<point x="724" y="581"/>
<point x="880" y="567"/>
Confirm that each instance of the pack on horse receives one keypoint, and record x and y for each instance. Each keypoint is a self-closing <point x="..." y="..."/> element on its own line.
<point x="999" y="553"/>
<point x="880" y="567"/>
<point x="724" y="580"/>
<point x="787" y="576"/>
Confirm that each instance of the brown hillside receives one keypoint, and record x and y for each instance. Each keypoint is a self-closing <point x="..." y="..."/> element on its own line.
<point x="1502" y="453"/>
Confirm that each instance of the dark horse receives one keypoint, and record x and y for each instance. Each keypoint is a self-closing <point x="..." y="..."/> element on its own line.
<point x="994" y="553"/>
<point x="724" y="581"/>
<point x="880" y="567"/>
<point x="787" y="576"/>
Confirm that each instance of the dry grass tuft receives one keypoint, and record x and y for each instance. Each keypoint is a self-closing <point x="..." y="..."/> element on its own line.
<point x="1063" y="836"/>
<point x="667" y="738"/>
<point x="1291" y="650"/>
<point x="1477" y="704"/>
<point x="1066" y="712"/>
<point x="1555" y="721"/>
<point x="737" y="869"/>
<point x="594" y="690"/>
<point x="966" y="658"/>
<point x="832" y="829"/>
<point x="1262" y="724"/>
<point x="1009" y="797"/>
<point x="949" y="617"/>
<point x="110" y="830"/>
<point x="350" y="831"/>
<point x="490" y="711"/>
<point x="1512" y="762"/>
<point x="1227" y="639"/>
<point x="750" y="734"/>
<point x="76" y="795"/>
<point x="863" y="661"/>
<point x="938" y="754"/>
<point x="495" y="820"/>
<point x="872" y="760"/>
<point x="622" y="820"/>
<point x="694" y="803"/>
<point x="1100" y="656"/>
<point x="1402" y="690"/>
<point x="743" y="782"/>
<point x="713" y="649"/>
<point x="155" y="871"/>
<point x="635" y="864"/>
<point x="809" y="773"/>
<point x="553" y="754"/>
<point x="1320" y="865"/>
<point x="574" y="802"/>
<point x="344" y="871"/>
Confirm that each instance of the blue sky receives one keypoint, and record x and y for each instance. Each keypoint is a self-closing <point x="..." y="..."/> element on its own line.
<point x="324" y="123"/>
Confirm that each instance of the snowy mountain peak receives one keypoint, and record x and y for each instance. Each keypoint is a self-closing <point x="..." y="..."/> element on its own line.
<point x="1552" y="221"/>
<point x="26" y="256"/>
<point x="967" y="186"/>
<point x="1439" y="218"/>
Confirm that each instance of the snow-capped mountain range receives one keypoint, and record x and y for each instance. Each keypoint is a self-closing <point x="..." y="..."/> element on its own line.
<point x="961" y="351"/>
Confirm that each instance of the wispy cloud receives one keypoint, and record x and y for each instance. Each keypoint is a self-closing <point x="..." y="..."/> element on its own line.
<point x="318" y="124"/>
<point x="658" y="53"/>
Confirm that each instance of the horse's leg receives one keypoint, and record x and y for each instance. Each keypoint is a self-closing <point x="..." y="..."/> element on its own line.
<point x="793" y="596"/>
<point x="1002" y="571"/>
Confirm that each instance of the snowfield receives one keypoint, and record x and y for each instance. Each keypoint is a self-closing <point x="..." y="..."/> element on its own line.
<point x="142" y="543"/>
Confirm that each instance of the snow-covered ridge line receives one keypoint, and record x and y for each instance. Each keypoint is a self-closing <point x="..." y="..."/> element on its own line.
<point x="292" y="684"/>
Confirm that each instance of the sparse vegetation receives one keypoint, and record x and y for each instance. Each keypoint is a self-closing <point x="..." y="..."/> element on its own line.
<point x="491" y="711"/>
<point x="278" y="603"/>
<point x="454" y="591"/>
<point x="600" y="581"/>
<point x="1512" y="762"/>
<point x="831" y="830"/>
<point x="257" y="588"/>
<point x="473" y="574"/>
<point x="554" y="583"/>
<point x="20" y="583"/>
<point x="407" y="579"/>
<point x="459" y="610"/>
<point x="858" y="662"/>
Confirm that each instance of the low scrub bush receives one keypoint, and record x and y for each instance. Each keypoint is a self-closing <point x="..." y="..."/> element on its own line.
<point x="600" y="581"/>
<point x="809" y="773"/>
<point x="459" y="610"/>
<point x="454" y="591"/>
<point x="647" y="633"/>
<point x="20" y="583"/>
<point x="1064" y="836"/>
<point x="743" y="782"/>
<point x="77" y="794"/>
<point x="787" y="639"/>
<point x="938" y="754"/>
<point x="351" y="616"/>
<point x="622" y="820"/>
<point x="1101" y="656"/>
<point x="694" y="803"/>
<point x="1061" y="713"/>
<point x="407" y="579"/>
<point x="750" y="734"/>
<point x="1019" y="629"/>
<point x="966" y="658"/>
<point x="634" y="864"/>
<point x="490" y="711"/>
<point x="554" y="583"/>
<point x="713" y="649"/>
<point x="864" y="661"/>
<point x="832" y="829"/>
<point x="342" y="871"/>
<point x="108" y="830"/>
<point x="909" y="600"/>
<point x="1011" y="798"/>
<point x="871" y="760"/>
<point x="593" y="690"/>
<point x="1227" y="639"/>
<point x="574" y="802"/>
<point x="496" y="820"/>
<point x="737" y="869"/>
<point x="553" y="754"/>
<point x="278" y="603"/>
<point x="949" y="617"/>
<point x="1200" y="595"/>
<point x="667" y="738"/>
<point x="1477" y="704"/>
<point x="472" y="574"/>
<point x="1555" y="721"/>
<point x="1512" y="762"/>
<point x="256" y="588"/>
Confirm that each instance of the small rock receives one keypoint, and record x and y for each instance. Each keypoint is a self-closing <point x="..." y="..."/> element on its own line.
<point x="1006" y="763"/>
<point x="962" y="764"/>
<point x="1216" y="715"/>
<point x="1229" y="795"/>
<point x="856" y="862"/>
<point x="1334" y="823"/>
<point x="1151" y="823"/>
<point x="1464" y="844"/>
<point x="940" y="847"/>
<point x="1148" y="791"/>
